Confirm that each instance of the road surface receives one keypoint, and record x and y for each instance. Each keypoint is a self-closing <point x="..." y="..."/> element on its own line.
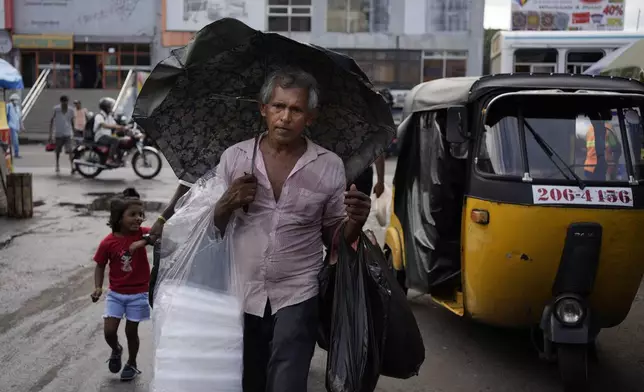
<point x="51" y="333"/>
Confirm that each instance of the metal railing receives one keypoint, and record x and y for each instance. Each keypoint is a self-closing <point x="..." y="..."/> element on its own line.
<point x="34" y="93"/>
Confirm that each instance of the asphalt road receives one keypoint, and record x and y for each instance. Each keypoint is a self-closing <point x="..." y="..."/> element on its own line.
<point x="51" y="333"/>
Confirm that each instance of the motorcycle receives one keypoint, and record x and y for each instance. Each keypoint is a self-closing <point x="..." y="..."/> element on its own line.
<point x="90" y="158"/>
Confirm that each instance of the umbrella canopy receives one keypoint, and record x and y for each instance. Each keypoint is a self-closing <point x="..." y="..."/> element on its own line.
<point x="10" y="78"/>
<point x="627" y="61"/>
<point x="203" y="99"/>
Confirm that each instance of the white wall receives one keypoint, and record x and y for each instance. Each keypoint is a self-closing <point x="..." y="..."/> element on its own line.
<point x="251" y="12"/>
<point x="415" y="11"/>
<point x="2" y="26"/>
<point x="85" y="17"/>
<point x="476" y="38"/>
<point x="408" y="30"/>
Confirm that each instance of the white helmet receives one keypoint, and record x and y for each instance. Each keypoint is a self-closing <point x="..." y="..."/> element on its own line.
<point x="106" y="104"/>
<point x="582" y="126"/>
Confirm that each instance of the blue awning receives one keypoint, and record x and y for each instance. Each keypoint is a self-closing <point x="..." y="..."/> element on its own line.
<point x="10" y="78"/>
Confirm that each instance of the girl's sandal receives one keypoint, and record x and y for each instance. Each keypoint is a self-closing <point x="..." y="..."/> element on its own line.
<point x="129" y="372"/>
<point x="114" y="363"/>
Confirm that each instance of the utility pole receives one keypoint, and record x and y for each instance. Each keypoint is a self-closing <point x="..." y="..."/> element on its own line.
<point x="637" y="26"/>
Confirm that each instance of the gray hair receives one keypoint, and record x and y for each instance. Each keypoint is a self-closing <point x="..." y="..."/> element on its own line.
<point x="290" y="78"/>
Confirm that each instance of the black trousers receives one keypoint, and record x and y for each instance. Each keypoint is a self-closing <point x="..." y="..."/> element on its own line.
<point x="112" y="142"/>
<point x="278" y="348"/>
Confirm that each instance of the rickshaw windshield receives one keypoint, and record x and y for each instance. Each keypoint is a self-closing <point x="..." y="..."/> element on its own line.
<point x="590" y="136"/>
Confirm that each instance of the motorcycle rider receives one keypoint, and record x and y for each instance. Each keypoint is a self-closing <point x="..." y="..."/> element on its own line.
<point x="104" y="124"/>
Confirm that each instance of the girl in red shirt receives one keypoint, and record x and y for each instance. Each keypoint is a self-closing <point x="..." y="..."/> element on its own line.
<point x="129" y="278"/>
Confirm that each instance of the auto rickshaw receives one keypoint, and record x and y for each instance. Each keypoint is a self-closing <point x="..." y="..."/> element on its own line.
<point x="511" y="211"/>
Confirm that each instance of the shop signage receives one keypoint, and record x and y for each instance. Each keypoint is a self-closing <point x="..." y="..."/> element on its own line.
<point x="126" y="18"/>
<point x="560" y="15"/>
<point x="42" y="41"/>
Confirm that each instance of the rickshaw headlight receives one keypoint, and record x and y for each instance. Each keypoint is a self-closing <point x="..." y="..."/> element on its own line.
<point x="569" y="311"/>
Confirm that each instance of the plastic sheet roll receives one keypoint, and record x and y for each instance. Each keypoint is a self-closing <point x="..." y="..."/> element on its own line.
<point x="198" y="316"/>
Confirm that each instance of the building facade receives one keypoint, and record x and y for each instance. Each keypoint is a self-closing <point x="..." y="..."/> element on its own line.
<point x="398" y="43"/>
<point x="94" y="43"/>
<point x="7" y="51"/>
<point x="88" y="44"/>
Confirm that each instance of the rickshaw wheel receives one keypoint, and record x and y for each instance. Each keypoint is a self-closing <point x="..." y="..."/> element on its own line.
<point x="573" y="366"/>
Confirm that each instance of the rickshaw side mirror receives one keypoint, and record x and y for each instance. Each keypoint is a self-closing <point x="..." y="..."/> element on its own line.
<point x="456" y="124"/>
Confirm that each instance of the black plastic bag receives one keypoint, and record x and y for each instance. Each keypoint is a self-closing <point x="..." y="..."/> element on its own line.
<point x="154" y="272"/>
<point x="404" y="350"/>
<point x="396" y="345"/>
<point x="326" y="278"/>
<point x="353" y="319"/>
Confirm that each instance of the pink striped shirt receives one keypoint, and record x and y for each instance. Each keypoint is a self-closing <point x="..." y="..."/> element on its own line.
<point x="278" y="245"/>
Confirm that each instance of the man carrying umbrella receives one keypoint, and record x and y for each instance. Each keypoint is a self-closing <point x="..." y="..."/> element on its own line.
<point x="295" y="201"/>
<point x="286" y="187"/>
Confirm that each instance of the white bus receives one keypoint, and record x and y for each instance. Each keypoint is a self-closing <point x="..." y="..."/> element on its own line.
<point x="553" y="51"/>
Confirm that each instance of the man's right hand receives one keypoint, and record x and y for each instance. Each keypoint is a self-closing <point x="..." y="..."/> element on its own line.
<point x="241" y="192"/>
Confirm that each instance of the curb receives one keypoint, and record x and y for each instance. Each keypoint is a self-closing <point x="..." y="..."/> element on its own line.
<point x="36" y="139"/>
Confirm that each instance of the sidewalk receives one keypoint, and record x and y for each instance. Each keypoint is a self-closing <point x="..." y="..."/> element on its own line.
<point x="62" y="196"/>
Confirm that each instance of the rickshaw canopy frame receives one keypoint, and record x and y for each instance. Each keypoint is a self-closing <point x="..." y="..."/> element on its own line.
<point x="446" y="92"/>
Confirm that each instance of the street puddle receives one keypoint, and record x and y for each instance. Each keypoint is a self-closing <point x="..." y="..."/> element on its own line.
<point x="101" y="202"/>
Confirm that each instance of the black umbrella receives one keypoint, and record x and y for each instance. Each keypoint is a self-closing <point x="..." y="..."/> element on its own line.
<point x="203" y="99"/>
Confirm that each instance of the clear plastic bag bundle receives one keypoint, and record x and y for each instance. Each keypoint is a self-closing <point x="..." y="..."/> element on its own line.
<point x="197" y="317"/>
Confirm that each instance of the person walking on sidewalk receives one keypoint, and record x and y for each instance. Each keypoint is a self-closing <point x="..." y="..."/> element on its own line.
<point x="80" y="119"/>
<point x="14" y="120"/>
<point x="296" y="203"/>
<point x="61" y="131"/>
<point x="129" y="279"/>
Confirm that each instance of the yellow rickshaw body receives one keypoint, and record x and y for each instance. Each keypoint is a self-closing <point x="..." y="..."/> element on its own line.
<point x="394" y="239"/>
<point x="510" y="264"/>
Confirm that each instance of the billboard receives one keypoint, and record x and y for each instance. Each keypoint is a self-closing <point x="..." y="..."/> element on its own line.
<point x="192" y="15"/>
<point x="560" y="15"/>
<point x="85" y="17"/>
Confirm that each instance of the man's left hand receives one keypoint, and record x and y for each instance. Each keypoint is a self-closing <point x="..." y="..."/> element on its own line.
<point x="358" y="206"/>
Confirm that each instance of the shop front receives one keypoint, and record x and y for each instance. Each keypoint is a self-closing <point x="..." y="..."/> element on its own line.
<point x="79" y="65"/>
<point x="87" y="44"/>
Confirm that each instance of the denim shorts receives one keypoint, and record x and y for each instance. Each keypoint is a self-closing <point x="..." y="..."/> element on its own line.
<point x="134" y="307"/>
